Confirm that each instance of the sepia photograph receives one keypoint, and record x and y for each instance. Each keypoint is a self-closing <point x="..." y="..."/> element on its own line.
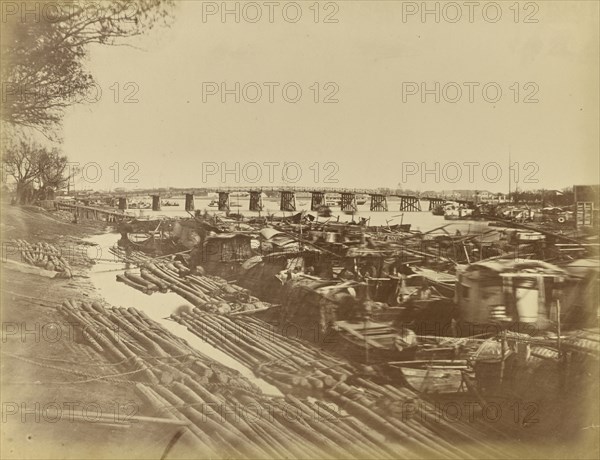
<point x="311" y="229"/>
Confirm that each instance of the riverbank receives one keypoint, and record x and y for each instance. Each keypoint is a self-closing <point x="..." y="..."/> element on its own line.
<point x="83" y="392"/>
<point x="64" y="396"/>
<point x="73" y="390"/>
<point x="54" y="401"/>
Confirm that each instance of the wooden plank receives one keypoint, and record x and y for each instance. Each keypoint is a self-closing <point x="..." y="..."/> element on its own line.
<point x="372" y="325"/>
<point x="363" y="338"/>
<point x="383" y="336"/>
<point x="457" y="362"/>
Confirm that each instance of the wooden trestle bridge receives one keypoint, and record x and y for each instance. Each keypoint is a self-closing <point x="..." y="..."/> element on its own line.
<point x="287" y="198"/>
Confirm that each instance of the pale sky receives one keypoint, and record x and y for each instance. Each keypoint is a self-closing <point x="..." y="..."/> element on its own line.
<point x="371" y="134"/>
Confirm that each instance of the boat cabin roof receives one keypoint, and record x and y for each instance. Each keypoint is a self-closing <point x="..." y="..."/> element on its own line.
<point x="514" y="265"/>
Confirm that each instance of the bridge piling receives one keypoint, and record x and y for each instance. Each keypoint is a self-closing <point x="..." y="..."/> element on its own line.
<point x="256" y="201"/>
<point x="410" y="203"/>
<point x="224" y="201"/>
<point x="378" y="203"/>
<point x="288" y="201"/>
<point x="156" y="202"/>
<point x="433" y="202"/>
<point x="348" y="202"/>
<point x="317" y="200"/>
<point x="189" y="201"/>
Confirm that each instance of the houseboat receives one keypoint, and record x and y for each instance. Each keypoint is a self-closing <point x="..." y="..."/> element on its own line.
<point x="509" y="291"/>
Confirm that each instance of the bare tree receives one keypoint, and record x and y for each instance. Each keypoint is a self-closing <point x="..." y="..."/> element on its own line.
<point x="43" y="53"/>
<point x="21" y="161"/>
<point x="35" y="170"/>
<point x="54" y="171"/>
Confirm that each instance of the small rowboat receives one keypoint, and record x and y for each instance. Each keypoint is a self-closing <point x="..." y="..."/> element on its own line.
<point x="373" y="342"/>
<point x="442" y="380"/>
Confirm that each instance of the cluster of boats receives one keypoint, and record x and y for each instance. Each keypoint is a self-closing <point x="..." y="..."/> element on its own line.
<point x="452" y="210"/>
<point x="487" y="316"/>
<point x="169" y="203"/>
<point x="139" y="205"/>
<point x="440" y="310"/>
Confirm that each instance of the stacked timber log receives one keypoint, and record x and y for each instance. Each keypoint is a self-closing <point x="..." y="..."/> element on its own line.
<point x="43" y="255"/>
<point x="381" y="412"/>
<point x="211" y="293"/>
<point x="135" y="257"/>
<point x="227" y="416"/>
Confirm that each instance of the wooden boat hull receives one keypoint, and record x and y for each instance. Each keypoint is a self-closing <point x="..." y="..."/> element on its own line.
<point x="400" y="227"/>
<point x="373" y="344"/>
<point x="431" y="381"/>
<point x="357" y="352"/>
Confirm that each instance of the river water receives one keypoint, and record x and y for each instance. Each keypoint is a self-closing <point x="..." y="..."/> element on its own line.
<point x="158" y="306"/>
<point x="423" y="221"/>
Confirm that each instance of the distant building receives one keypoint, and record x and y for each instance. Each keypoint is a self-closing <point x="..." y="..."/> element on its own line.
<point x="491" y="198"/>
<point x="469" y="195"/>
<point x="587" y="193"/>
<point x="587" y="198"/>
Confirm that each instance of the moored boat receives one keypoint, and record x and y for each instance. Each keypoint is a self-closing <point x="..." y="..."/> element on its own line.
<point x="215" y="204"/>
<point x="440" y="378"/>
<point x="457" y="213"/>
<point x="373" y="342"/>
<point x="169" y="203"/>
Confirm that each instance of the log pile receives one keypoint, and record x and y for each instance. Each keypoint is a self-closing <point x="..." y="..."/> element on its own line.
<point x="227" y="415"/>
<point x="43" y="255"/>
<point x="136" y="257"/>
<point x="211" y="293"/>
<point x="380" y="412"/>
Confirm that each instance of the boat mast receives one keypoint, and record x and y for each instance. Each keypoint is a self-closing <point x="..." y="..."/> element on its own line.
<point x="509" y="177"/>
